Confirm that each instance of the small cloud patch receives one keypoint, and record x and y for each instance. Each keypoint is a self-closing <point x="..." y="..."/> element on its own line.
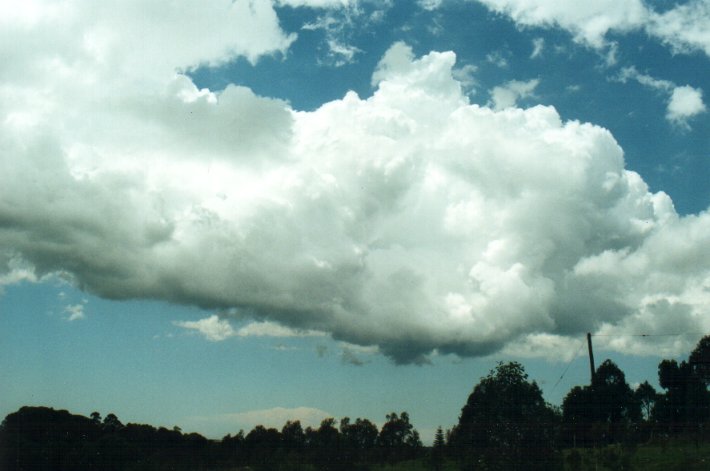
<point x="212" y="328"/>
<point x="216" y="329"/>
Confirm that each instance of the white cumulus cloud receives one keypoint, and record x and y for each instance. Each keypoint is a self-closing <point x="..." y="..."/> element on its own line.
<point x="589" y="22"/>
<point x="685" y="27"/>
<point x="685" y="102"/>
<point x="410" y="221"/>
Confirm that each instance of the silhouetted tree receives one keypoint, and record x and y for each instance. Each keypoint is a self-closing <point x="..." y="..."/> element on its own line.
<point x="699" y="360"/>
<point x="614" y="401"/>
<point x="438" y="450"/>
<point x="646" y="395"/>
<point x="95" y="418"/>
<point x="293" y="436"/>
<point x="603" y="412"/>
<point x="361" y="435"/>
<point x="578" y="417"/>
<point x="357" y="442"/>
<point x="398" y="440"/>
<point x="112" y="423"/>
<point x="231" y="449"/>
<point x="686" y="404"/>
<point x="505" y="424"/>
<point x="262" y="446"/>
<point x="325" y="444"/>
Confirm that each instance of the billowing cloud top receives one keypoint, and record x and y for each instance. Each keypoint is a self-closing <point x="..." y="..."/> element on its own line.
<point x="410" y="220"/>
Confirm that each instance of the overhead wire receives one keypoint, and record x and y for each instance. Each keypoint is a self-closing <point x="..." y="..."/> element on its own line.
<point x="574" y="357"/>
<point x="650" y="335"/>
<point x="581" y="344"/>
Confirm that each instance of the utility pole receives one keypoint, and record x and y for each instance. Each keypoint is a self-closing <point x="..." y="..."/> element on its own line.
<point x="591" y="354"/>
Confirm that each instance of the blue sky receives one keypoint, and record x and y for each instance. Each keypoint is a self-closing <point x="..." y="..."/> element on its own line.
<point x="218" y="214"/>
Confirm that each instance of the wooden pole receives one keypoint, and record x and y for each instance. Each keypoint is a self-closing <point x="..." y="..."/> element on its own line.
<point x="591" y="355"/>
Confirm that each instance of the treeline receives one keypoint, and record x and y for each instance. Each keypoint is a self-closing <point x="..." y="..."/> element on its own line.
<point x="44" y="439"/>
<point x="504" y="425"/>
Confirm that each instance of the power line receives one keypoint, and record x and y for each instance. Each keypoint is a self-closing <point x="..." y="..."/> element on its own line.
<point x="581" y="344"/>
<point x="650" y="335"/>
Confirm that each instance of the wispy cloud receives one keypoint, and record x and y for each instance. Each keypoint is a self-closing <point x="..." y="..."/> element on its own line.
<point x="466" y="76"/>
<point x="75" y="312"/>
<point x="538" y="47"/>
<point x="339" y="26"/>
<point x="507" y="95"/>
<point x="497" y="58"/>
<point x="350" y="358"/>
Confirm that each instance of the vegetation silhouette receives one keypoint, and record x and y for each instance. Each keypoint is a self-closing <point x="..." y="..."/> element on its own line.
<point x="504" y="425"/>
<point x="603" y="412"/>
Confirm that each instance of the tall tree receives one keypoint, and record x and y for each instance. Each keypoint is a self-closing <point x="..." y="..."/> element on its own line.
<point x="686" y="404"/>
<point x="505" y="424"/>
<point x="615" y="401"/>
<point x="292" y="435"/>
<point x="358" y="441"/>
<point x="603" y="411"/>
<point x="646" y="396"/>
<point x="398" y="439"/>
<point x="700" y="360"/>
<point x="438" y="450"/>
<point x="361" y="435"/>
<point x="263" y="447"/>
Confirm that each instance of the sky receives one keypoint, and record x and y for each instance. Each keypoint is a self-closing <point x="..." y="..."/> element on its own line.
<point x="218" y="214"/>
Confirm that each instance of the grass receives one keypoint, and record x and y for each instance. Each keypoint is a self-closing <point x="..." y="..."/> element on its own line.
<point x="414" y="465"/>
<point x="664" y="456"/>
<point x="671" y="455"/>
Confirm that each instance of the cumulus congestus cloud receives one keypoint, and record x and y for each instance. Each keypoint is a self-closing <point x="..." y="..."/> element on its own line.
<point x="410" y="220"/>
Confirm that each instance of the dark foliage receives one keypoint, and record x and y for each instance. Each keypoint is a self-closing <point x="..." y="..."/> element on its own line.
<point x="685" y="407"/>
<point x="398" y="440"/>
<point x="505" y="424"/>
<point x="646" y="395"/>
<point x="41" y="438"/>
<point x="44" y="439"/>
<point x="438" y="451"/>
<point x="604" y="412"/>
